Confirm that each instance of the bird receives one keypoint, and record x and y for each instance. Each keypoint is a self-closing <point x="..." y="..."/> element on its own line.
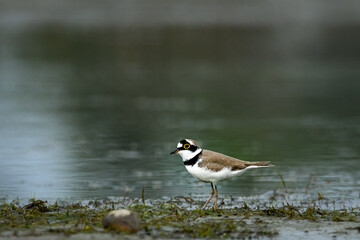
<point x="212" y="167"/>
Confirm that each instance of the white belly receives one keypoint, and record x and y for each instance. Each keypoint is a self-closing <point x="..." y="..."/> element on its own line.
<point x="207" y="175"/>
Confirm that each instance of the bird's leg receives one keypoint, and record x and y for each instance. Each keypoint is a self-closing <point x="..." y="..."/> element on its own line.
<point x="217" y="195"/>
<point x="212" y="194"/>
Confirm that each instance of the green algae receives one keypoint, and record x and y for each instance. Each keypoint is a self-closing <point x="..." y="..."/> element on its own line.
<point x="160" y="218"/>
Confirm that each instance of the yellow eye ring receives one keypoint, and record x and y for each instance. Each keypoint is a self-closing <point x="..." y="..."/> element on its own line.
<point x="186" y="146"/>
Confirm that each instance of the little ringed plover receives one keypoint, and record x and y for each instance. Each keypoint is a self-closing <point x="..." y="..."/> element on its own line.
<point x="212" y="167"/>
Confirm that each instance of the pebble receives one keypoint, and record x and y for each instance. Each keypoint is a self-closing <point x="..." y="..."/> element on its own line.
<point x="123" y="220"/>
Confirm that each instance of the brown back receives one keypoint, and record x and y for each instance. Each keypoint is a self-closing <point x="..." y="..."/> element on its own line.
<point x="217" y="161"/>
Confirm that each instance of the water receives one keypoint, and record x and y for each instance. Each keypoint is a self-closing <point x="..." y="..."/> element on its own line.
<point x="93" y="110"/>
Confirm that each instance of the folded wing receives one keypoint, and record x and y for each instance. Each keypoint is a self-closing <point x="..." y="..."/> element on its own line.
<point x="217" y="161"/>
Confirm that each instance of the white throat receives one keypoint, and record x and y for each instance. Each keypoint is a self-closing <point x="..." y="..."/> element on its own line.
<point x="187" y="155"/>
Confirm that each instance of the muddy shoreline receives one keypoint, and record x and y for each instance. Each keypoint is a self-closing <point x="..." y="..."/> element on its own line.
<point x="177" y="218"/>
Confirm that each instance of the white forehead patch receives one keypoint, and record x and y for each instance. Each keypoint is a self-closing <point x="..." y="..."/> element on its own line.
<point x="179" y="145"/>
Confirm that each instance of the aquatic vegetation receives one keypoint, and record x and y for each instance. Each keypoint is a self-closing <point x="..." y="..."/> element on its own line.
<point x="160" y="217"/>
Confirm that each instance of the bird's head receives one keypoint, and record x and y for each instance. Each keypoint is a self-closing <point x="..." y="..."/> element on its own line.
<point x="187" y="149"/>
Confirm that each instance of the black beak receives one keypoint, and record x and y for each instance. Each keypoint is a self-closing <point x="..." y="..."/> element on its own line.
<point x="175" y="151"/>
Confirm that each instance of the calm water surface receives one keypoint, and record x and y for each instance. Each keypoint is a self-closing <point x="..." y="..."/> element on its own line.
<point x="94" y="112"/>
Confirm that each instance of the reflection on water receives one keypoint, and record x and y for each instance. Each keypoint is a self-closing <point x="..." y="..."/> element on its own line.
<point x="95" y="113"/>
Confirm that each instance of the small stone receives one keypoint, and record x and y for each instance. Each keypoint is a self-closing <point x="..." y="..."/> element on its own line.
<point x="123" y="220"/>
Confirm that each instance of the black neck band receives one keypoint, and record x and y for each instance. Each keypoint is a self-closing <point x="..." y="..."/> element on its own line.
<point x="193" y="160"/>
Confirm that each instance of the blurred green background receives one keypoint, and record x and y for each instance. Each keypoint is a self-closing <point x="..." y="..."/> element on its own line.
<point x="95" y="94"/>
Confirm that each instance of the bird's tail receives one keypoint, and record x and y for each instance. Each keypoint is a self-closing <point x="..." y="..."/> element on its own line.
<point x="259" y="164"/>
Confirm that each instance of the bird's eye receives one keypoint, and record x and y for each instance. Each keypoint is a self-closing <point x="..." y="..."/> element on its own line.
<point x="186" y="146"/>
